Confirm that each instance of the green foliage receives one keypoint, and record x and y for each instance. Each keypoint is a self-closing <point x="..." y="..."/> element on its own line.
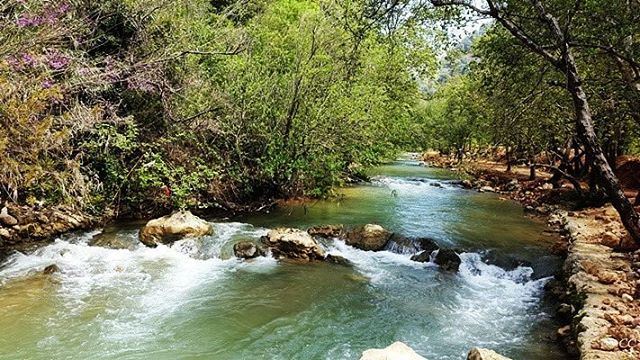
<point x="146" y="106"/>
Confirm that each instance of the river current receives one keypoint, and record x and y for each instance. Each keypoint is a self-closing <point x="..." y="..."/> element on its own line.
<point x="194" y="300"/>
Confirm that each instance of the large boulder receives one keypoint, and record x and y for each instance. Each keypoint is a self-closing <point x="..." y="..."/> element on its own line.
<point x="395" y="351"/>
<point x="484" y="354"/>
<point x="448" y="260"/>
<point x="170" y="228"/>
<point x="293" y="244"/>
<point x="247" y="250"/>
<point x="368" y="237"/>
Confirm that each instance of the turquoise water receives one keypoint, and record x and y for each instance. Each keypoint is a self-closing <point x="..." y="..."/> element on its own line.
<point x="195" y="301"/>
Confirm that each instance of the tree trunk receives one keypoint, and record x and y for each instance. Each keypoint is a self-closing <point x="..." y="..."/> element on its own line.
<point x="532" y="171"/>
<point x="587" y="136"/>
<point x="637" y="203"/>
<point x="508" y="159"/>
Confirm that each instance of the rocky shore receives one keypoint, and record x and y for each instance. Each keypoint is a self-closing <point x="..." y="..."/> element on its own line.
<point x="600" y="293"/>
<point x="24" y="227"/>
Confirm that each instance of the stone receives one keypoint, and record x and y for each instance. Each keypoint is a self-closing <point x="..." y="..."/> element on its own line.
<point x="4" y="233"/>
<point x="609" y="239"/>
<point x="395" y="351"/>
<point x="247" y="250"/>
<point x="564" y="331"/>
<point x="53" y="268"/>
<point x="170" y="228"/>
<point x="327" y="231"/>
<point x="448" y="260"/>
<point x="427" y="244"/>
<point x="338" y="260"/>
<point x="608" y="344"/>
<point x="423" y="257"/>
<point x="112" y="241"/>
<point x="626" y="297"/>
<point x="6" y="219"/>
<point x="484" y="354"/>
<point x="487" y="189"/>
<point x="293" y="244"/>
<point x="466" y="184"/>
<point x="368" y="237"/>
<point x="564" y="312"/>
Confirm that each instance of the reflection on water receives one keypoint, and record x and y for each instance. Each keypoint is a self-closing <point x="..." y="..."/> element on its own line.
<point x="195" y="301"/>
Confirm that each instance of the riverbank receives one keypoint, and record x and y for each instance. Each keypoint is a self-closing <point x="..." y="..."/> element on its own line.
<point x="25" y="228"/>
<point x="600" y="293"/>
<point x="598" y="284"/>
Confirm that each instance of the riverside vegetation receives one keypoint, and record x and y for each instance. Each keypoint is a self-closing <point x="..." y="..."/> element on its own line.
<point x="136" y="108"/>
<point x="132" y="109"/>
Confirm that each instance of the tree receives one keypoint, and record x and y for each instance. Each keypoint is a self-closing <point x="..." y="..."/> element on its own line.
<point x="538" y="29"/>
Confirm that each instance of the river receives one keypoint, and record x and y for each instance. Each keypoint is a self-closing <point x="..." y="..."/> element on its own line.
<point x="195" y="301"/>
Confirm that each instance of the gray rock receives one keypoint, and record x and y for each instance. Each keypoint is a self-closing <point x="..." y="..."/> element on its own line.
<point x="247" y="250"/>
<point x="448" y="260"/>
<point x="338" y="260"/>
<point x="423" y="257"/>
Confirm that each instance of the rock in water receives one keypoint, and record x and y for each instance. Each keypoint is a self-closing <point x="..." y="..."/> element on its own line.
<point x="6" y="219"/>
<point x="53" y="268"/>
<point x="427" y="244"/>
<point x="448" y="260"/>
<point x="112" y="241"/>
<point x="247" y="250"/>
<point x="395" y="351"/>
<point x="327" y="231"/>
<point x="422" y="257"/>
<point x="337" y="259"/>
<point x="293" y="244"/>
<point x="369" y="237"/>
<point x="170" y="228"/>
<point x="484" y="354"/>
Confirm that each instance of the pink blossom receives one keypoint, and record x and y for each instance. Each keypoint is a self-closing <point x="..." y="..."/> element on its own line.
<point x="58" y="61"/>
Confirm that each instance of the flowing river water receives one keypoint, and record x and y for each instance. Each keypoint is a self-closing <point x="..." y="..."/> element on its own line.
<point x="195" y="301"/>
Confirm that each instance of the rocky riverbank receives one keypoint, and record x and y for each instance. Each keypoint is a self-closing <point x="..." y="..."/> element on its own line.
<point x="600" y="293"/>
<point x="24" y="227"/>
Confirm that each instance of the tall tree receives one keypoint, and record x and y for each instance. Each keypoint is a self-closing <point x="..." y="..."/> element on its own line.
<point x="538" y="28"/>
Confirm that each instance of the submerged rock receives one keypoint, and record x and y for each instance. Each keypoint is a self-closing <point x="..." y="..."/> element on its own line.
<point x="448" y="260"/>
<point x="337" y="259"/>
<point x="395" y="351"/>
<point x="423" y="257"/>
<point x="327" y="231"/>
<point x="247" y="250"/>
<point x="53" y="268"/>
<point x="368" y="237"/>
<point x="111" y="241"/>
<point x="293" y="244"/>
<point x="170" y="228"/>
<point x="485" y="354"/>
